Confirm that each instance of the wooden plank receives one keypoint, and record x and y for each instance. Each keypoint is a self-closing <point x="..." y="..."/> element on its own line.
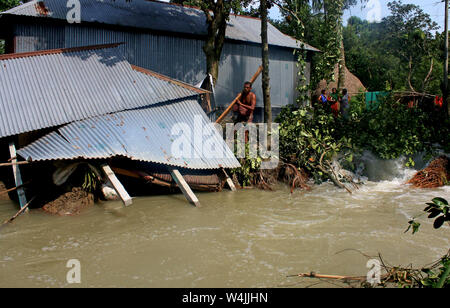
<point x="123" y="194"/>
<point x="17" y="175"/>
<point x="229" y="180"/>
<point x="187" y="191"/>
<point x="224" y="114"/>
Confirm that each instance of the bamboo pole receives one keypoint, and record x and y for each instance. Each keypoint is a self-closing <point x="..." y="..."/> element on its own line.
<point x="225" y="113"/>
<point x="314" y="275"/>
<point x="14" y="163"/>
<point x="23" y="209"/>
<point x="14" y="188"/>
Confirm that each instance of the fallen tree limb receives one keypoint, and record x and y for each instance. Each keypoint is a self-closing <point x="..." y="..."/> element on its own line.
<point x="330" y="172"/>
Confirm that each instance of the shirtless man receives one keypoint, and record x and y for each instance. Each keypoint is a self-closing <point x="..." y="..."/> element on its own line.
<point x="245" y="106"/>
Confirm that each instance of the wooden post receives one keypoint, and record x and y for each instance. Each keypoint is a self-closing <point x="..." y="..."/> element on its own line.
<point x="224" y="114"/>
<point x="17" y="175"/>
<point x="229" y="180"/>
<point x="117" y="185"/>
<point x="187" y="191"/>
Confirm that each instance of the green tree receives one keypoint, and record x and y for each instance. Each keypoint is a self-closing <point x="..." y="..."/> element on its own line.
<point x="403" y="45"/>
<point x="6" y="5"/>
<point x="320" y="24"/>
<point x="265" y="62"/>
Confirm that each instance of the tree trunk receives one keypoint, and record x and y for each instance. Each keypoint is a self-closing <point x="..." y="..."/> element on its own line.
<point x="341" y="65"/>
<point x="212" y="63"/>
<point x="265" y="63"/>
<point x="217" y="24"/>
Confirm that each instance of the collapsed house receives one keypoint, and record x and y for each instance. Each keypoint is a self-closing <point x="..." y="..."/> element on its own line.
<point x="90" y="104"/>
<point x="165" y="38"/>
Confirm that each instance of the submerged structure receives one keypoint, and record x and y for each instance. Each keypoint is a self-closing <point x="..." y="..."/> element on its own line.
<point x="90" y="104"/>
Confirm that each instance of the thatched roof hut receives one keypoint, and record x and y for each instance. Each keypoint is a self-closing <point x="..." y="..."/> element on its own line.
<point x="351" y="83"/>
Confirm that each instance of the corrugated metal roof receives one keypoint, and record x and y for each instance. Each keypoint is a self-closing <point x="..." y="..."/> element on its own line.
<point x="144" y="135"/>
<point x="156" y="16"/>
<point x="49" y="88"/>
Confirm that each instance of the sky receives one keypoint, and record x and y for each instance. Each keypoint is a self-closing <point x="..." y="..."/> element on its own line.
<point x="377" y="9"/>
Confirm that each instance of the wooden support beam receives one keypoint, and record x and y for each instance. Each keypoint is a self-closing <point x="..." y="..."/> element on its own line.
<point x="187" y="191"/>
<point x="143" y="176"/>
<point x="123" y="194"/>
<point x="17" y="175"/>
<point x="229" y="180"/>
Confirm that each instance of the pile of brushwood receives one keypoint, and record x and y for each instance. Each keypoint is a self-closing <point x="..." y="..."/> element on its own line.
<point x="437" y="174"/>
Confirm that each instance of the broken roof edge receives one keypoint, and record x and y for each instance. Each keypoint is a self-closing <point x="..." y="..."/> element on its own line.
<point x="57" y="51"/>
<point x="121" y="156"/>
<point x="169" y="79"/>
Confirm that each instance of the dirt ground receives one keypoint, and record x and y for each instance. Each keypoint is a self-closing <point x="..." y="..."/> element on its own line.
<point x="71" y="203"/>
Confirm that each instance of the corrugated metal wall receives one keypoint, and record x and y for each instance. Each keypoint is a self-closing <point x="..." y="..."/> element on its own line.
<point x="179" y="58"/>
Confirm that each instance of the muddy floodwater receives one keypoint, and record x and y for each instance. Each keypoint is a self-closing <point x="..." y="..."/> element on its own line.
<point x="249" y="238"/>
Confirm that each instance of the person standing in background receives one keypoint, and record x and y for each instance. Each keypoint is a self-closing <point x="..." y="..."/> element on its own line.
<point x="345" y="104"/>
